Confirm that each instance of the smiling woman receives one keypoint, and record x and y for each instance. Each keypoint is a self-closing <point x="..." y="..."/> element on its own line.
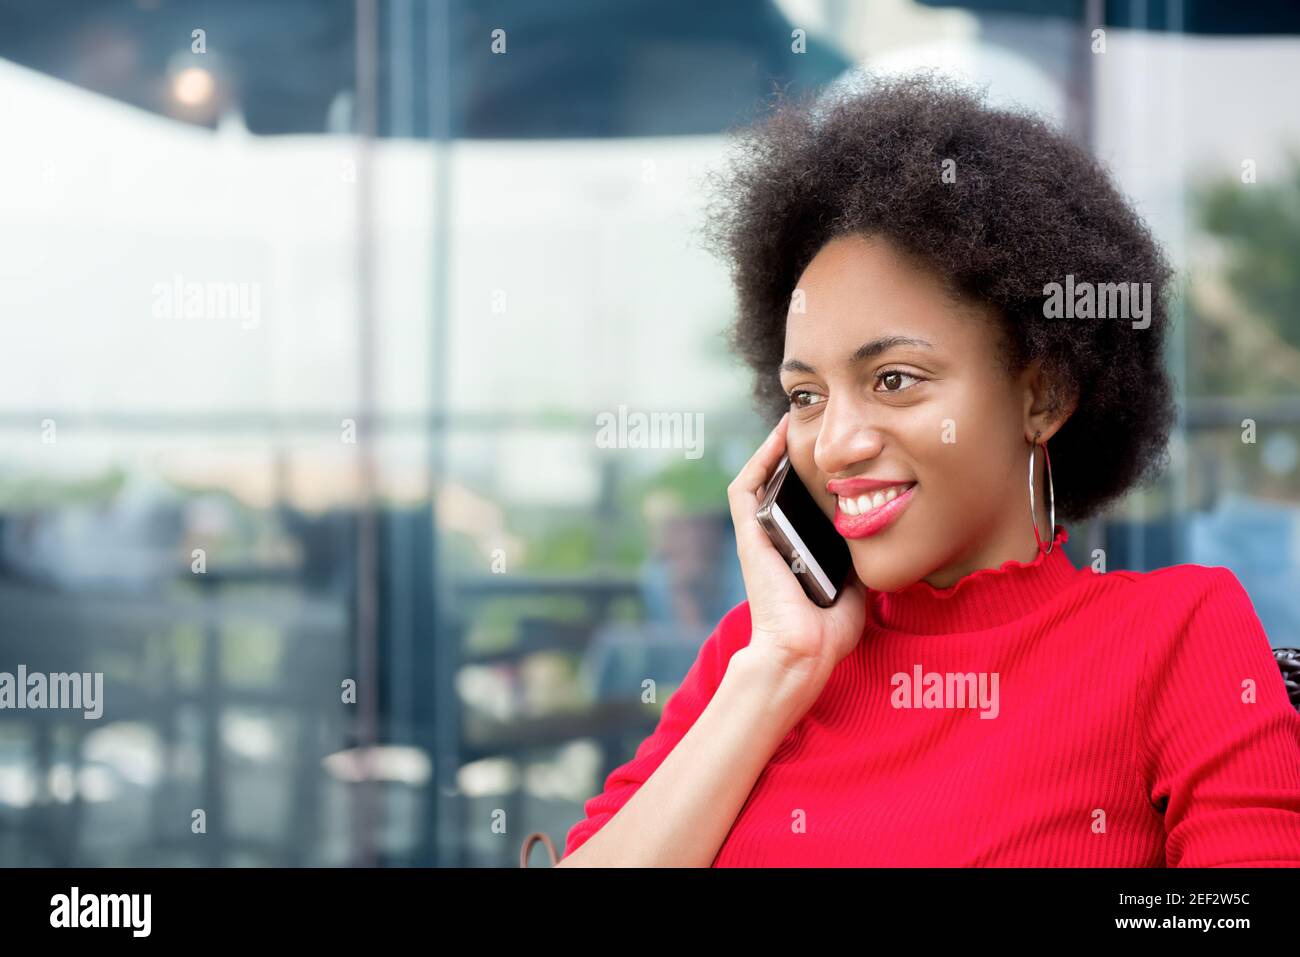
<point x="892" y="249"/>
<point x="970" y="212"/>
<point x="925" y="406"/>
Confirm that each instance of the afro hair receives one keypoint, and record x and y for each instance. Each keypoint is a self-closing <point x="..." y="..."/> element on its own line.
<point x="1023" y="206"/>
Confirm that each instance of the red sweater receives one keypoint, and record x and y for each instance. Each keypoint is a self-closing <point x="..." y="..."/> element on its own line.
<point x="1120" y="719"/>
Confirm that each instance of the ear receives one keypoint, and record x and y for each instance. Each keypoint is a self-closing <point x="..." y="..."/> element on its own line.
<point x="1048" y="402"/>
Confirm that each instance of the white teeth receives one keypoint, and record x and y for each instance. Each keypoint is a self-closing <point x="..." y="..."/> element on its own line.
<point x="865" y="503"/>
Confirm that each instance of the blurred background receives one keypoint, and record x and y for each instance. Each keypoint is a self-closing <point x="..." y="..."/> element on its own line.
<point x="313" y="311"/>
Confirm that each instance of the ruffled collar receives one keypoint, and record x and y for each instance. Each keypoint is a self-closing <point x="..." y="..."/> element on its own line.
<point x="984" y="598"/>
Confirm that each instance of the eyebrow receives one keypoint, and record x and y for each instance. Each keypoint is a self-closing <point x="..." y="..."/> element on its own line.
<point x="865" y="351"/>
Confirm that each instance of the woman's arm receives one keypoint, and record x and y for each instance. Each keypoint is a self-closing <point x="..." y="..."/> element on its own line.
<point x="756" y="676"/>
<point x="682" y="814"/>
<point x="1218" y="736"/>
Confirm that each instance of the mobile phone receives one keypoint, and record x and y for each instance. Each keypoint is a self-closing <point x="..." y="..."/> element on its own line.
<point x="805" y="537"/>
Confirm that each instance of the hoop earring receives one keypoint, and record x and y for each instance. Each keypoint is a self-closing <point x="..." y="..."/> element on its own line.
<point x="1033" y="511"/>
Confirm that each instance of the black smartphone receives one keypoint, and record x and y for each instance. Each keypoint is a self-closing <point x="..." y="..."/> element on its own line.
<point x="805" y="537"/>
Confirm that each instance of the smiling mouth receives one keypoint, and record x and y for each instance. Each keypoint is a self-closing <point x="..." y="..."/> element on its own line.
<point x="868" y="502"/>
<point x="870" y="514"/>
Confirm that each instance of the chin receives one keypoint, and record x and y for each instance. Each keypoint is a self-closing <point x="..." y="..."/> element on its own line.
<point x="879" y="577"/>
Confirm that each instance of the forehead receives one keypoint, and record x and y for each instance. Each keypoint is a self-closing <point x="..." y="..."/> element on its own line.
<point x="857" y="288"/>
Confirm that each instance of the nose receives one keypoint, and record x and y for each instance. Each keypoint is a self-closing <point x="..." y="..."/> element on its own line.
<point x="845" y="438"/>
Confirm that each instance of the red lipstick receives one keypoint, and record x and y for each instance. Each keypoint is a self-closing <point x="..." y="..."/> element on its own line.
<point x="852" y="488"/>
<point x="874" y="521"/>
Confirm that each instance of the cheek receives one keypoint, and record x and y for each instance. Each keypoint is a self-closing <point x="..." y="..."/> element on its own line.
<point x="958" y="455"/>
<point x="801" y="436"/>
<point x="800" y="451"/>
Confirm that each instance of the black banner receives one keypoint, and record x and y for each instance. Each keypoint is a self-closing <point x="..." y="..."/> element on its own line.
<point x="336" y="907"/>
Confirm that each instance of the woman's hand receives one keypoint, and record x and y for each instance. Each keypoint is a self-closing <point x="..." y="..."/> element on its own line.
<point x="787" y="626"/>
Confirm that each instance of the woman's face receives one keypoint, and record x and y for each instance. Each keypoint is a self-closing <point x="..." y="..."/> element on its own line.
<point x="938" y="412"/>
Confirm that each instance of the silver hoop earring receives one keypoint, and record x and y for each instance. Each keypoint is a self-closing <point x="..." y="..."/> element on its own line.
<point x="1051" y="492"/>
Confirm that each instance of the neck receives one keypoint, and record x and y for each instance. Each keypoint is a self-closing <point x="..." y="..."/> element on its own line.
<point x="984" y="597"/>
<point x="1009" y="539"/>
<point x="992" y="552"/>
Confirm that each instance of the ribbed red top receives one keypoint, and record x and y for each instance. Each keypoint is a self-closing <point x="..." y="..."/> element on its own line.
<point x="1036" y="714"/>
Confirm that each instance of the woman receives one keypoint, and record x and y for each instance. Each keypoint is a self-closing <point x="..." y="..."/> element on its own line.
<point x="973" y="698"/>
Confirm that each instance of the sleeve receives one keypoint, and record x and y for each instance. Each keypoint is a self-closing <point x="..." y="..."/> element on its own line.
<point x="1219" y="739"/>
<point x="679" y="713"/>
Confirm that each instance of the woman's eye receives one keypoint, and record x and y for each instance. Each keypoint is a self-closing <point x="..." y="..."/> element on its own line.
<point x="891" y="376"/>
<point x="893" y="380"/>
<point x="794" y="395"/>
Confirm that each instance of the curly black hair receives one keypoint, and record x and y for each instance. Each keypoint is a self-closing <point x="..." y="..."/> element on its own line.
<point x="1028" y="206"/>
